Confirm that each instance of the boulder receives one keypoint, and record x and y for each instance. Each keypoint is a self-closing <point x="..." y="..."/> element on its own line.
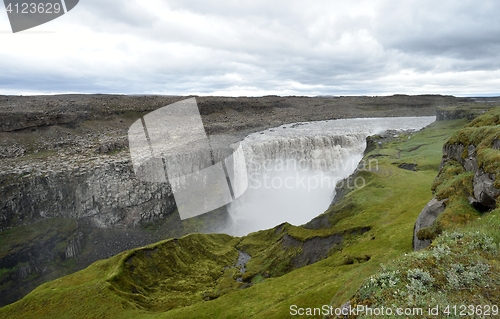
<point x="453" y="151"/>
<point x="408" y="167"/>
<point x="485" y="192"/>
<point x="427" y="216"/>
<point x="496" y="144"/>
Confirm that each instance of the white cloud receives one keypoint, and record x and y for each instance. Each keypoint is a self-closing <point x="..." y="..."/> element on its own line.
<point x="257" y="48"/>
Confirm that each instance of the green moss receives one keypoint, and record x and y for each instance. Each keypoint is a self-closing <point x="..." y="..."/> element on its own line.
<point x="457" y="185"/>
<point x="270" y="256"/>
<point x="481" y="133"/>
<point x="467" y="110"/>
<point x="459" y="268"/>
<point x="172" y="273"/>
<point x="450" y="170"/>
<point x="490" y="160"/>
<point x="491" y="118"/>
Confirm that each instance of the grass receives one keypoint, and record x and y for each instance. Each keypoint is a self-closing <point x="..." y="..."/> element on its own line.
<point x="460" y="268"/>
<point x="454" y="184"/>
<point x="193" y="277"/>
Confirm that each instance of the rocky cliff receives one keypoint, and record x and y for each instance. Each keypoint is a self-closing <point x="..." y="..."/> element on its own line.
<point x="466" y="109"/>
<point x="467" y="183"/>
<point x="103" y="190"/>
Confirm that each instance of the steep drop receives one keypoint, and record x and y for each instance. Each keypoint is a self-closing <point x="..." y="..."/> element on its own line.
<point x="293" y="169"/>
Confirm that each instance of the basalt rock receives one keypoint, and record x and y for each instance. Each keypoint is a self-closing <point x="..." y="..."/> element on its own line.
<point x="107" y="192"/>
<point x="408" y="167"/>
<point x="484" y="193"/>
<point x="427" y="216"/>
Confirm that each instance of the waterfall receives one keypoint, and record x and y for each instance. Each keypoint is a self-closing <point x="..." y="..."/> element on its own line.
<point x="293" y="169"/>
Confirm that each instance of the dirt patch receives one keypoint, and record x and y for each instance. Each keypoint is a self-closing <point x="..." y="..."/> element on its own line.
<point x="408" y="167"/>
<point x="416" y="148"/>
<point x="315" y="249"/>
<point x="319" y="222"/>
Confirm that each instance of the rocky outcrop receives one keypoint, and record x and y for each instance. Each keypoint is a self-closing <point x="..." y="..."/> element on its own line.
<point x="317" y="248"/>
<point x="496" y="144"/>
<point x="445" y="114"/>
<point x="408" y="166"/>
<point x="485" y="192"/>
<point x="462" y="111"/>
<point x="74" y="247"/>
<point x="483" y="197"/>
<point x="23" y="268"/>
<point x="457" y="151"/>
<point x="427" y="216"/>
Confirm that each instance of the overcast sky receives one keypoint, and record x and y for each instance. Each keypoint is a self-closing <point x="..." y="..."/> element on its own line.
<point x="258" y="47"/>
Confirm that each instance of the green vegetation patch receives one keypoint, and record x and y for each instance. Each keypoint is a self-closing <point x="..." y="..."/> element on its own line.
<point x="174" y="273"/>
<point x="278" y="251"/>
<point x="482" y="132"/>
<point x="460" y="268"/>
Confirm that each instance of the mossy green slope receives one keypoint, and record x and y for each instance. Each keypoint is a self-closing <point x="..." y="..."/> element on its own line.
<point x="455" y="184"/>
<point x="460" y="270"/>
<point x="194" y="277"/>
<point x="461" y="267"/>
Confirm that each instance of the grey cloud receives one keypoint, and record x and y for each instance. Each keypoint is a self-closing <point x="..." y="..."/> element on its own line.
<point x="461" y="29"/>
<point x="327" y="47"/>
<point x="114" y="15"/>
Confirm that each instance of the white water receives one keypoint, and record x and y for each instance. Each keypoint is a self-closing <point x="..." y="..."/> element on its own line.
<point x="293" y="169"/>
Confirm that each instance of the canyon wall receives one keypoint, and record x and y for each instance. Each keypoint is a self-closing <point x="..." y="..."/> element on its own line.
<point x="106" y="192"/>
